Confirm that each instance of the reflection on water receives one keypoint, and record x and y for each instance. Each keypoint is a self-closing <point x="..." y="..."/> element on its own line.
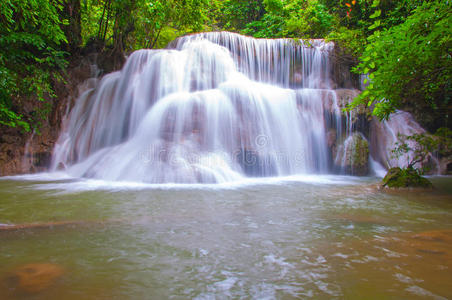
<point x="305" y="237"/>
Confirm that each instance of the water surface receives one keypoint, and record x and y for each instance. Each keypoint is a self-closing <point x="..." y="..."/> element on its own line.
<point x="297" y="237"/>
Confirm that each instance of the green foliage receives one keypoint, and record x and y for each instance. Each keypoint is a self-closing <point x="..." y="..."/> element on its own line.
<point x="91" y="12"/>
<point x="170" y="17"/>
<point x="352" y="40"/>
<point x="293" y="18"/>
<point x="308" y="19"/>
<point x="405" y="44"/>
<point x="234" y="15"/>
<point x="410" y="62"/>
<point x="421" y="145"/>
<point x="30" y="36"/>
<point x="405" y="178"/>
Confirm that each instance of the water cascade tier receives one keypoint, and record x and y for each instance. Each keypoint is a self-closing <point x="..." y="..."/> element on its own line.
<point x="214" y="107"/>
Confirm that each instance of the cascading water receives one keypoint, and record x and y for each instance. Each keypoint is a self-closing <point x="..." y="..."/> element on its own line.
<point x="385" y="135"/>
<point x="214" y="107"/>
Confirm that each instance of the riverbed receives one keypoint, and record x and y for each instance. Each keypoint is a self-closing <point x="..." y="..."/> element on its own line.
<point x="320" y="237"/>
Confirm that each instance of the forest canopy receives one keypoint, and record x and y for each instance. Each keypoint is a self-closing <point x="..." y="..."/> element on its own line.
<point x="404" y="46"/>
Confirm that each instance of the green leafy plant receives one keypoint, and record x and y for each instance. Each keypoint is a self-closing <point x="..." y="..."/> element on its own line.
<point x="293" y="19"/>
<point x="409" y="63"/>
<point x="30" y="55"/>
<point x="422" y="145"/>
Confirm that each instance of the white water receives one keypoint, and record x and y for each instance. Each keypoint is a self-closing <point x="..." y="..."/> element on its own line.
<point x="385" y="136"/>
<point x="203" y="113"/>
<point x="217" y="107"/>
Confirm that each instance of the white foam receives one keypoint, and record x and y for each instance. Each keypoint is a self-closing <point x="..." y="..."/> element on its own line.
<point x="226" y="284"/>
<point x="417" y="290"/>
<point x="46" y="176"/>
<point x="64" y="182"/>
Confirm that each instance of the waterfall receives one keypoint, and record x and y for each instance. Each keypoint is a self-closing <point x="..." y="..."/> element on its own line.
<point x="384" y="136"/>
<point x="212" y="107"/>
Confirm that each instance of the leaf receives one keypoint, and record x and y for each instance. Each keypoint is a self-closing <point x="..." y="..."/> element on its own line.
<point x="376" y="14"/>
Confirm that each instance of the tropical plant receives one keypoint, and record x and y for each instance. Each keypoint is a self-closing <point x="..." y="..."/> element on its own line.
<point x="31" y="36"/>
<point x="411" y="63"/>
<point x="418" y="147"/>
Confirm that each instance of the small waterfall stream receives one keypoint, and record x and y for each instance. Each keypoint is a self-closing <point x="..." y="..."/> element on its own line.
<point x="213" y="107"/>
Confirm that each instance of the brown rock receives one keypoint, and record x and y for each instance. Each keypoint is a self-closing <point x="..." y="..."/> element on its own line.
<point x="33" y="278"/>
<point x="443" y="236"/>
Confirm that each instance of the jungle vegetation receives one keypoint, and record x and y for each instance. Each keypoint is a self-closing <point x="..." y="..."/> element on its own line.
<point x="404" y="46"/>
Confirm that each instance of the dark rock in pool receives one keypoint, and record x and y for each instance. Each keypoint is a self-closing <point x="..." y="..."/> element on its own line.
<point x="405" y="178"/>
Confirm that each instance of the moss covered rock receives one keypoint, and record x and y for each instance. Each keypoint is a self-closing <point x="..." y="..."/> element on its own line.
<point x="404" y="178"/>
<point x="352" y="157"/>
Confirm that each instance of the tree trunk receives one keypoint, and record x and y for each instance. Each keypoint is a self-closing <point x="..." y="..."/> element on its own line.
<point x="73" y="31"/>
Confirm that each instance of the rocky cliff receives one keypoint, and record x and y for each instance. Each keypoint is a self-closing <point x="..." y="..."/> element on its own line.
<point x="29" y="152"/>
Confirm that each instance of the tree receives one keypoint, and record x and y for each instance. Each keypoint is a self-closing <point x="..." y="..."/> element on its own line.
<point x="157" y="18"/>
<point x="30" y="41"/>
<point x="236" y="14"/>
<point x="418" y="147"/>
<point x="73" y="28"/>
<point x="293" y="18"/>
<point x="410" y="64"/>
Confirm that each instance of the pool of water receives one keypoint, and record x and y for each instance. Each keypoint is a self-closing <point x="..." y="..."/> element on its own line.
<point x="320" y="237"/>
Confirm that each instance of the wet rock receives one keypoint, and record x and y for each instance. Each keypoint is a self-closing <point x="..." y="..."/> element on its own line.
<point x="384" y="136"/>
<point x="442" y="236"/>
<point x="33" y="278"/>
<point x="49" y="225"/>
<point x="405" y="178"/>
<point x="434" y="243"/>
<point x="254" y="164"/>
<point x="14" y="157"/>
<point x="342" y="63"/>
<point x="90" y="224"/>
<point x="352" y="157"/>
<point x="345" y="96"/>
<point x="331" y="138"/>
<point x="337" y="100"/>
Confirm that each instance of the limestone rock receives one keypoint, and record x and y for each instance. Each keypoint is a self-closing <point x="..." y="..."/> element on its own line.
<point x="404" y="178"/>
<point x="352" y="157"/>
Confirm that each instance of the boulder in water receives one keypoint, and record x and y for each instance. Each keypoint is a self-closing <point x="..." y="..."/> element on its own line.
<point x="33" y="278"/>
<point x="404" y="178"/>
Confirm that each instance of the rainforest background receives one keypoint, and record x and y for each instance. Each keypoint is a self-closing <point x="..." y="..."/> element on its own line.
<point x="404" y="46"/>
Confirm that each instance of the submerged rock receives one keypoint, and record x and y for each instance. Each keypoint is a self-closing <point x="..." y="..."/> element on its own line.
<point x="33" y="278"/>
<point x="403" y="178"/>
<point x="443" y="236"/>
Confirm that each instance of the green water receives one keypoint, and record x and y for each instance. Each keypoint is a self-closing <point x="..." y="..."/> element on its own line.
<point x="310" y="237"/>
